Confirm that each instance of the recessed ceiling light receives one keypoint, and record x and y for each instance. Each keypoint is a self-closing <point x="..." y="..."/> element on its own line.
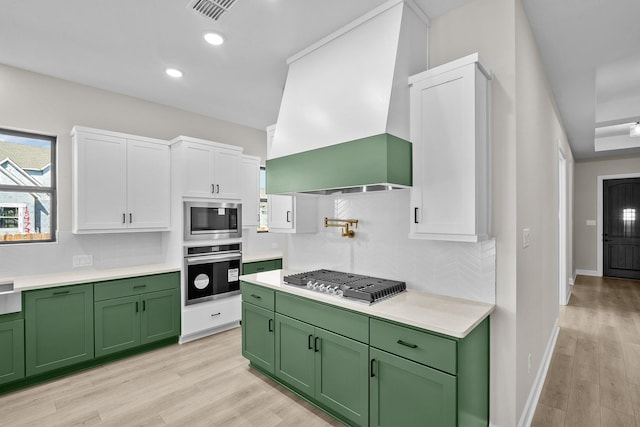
<point x="214" y="39"/>
<point x="174" y="73"/>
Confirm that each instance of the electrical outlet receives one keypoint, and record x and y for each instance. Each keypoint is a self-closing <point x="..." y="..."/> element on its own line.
<point x="529" y="364"/>
<point x="526" y="237"/>
<point x="591" y="222"/>
<point x="82" y="261"/>
<point x="274" y="246"/>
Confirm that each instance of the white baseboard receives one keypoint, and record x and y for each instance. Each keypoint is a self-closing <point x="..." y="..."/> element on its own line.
<point x="569" y="289"/>
<point x="532" y="402"/>
<point x="588" y="272"/>
<point x="201" y="334"/>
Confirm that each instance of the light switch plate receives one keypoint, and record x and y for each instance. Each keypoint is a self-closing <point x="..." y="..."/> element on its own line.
<point x="591" y="222"/>
<point x="526" y="237"/>
<point x="82" y="261"/>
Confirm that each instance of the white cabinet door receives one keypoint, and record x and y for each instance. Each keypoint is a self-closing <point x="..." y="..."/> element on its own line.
<point x="120" y="182"/>
<point x="449" y="197"/>
<point x="198" y="178"/>
<point x="148" y="192"/>
<point x="225" y="173"/>
<point x="100" y="182"/>
<point x="280" y="212"/>
<point x="249" y="180"/>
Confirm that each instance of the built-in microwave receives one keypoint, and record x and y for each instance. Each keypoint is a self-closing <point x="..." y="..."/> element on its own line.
<point x="212" y="220"/>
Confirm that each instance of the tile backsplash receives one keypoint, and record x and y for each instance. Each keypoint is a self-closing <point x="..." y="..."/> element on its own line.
<point x="382" y="248"/>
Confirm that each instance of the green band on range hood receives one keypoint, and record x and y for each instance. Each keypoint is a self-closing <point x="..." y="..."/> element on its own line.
<point x="379" y="162"/>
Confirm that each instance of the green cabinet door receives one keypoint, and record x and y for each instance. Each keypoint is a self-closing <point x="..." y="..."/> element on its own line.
<point x="295" y="354"/>
<point x="258" y="336"/>
<point x="58" y="327"/>
<point x="342" y="376"/>
<point x="11" y="351"/>
<point x="117" y="324"/>
<point x="408" y="394"/>
<point x="160" y="316"/>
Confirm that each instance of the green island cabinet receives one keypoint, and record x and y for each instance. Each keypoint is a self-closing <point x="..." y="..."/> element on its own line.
<point x="364" y="370"/>
<point x="58" y="327"/>
<point x="259" y="266"/>
<point x="135" y="311"/>
<point x="11" y="347"/>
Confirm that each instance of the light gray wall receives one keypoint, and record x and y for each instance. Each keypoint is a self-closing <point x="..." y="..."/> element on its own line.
<point x="525" y="132"/>
<point x="43" y="104"/>
<point x="586" y="206"/>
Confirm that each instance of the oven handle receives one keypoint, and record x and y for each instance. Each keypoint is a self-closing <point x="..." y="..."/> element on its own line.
<point x="208" y="258"/>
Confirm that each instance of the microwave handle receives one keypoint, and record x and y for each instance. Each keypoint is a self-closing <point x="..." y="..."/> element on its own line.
<point x="205" y="259"/>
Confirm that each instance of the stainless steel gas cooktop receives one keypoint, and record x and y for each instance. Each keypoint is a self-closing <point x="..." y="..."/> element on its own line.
<point x="347" y="285"/>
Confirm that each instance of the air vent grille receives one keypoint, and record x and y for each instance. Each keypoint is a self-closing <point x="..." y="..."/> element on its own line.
<point x="213" y="9"/>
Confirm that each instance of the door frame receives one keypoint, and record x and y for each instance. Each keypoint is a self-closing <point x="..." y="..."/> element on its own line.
<point x="563" y="278"/>
<point x="599" y="242"/>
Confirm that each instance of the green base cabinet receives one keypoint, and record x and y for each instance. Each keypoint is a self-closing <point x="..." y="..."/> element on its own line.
<point x="58" y="327"/>
<point x="134" y="312"/>
<point x="258" y="338"/>
<point x="11" y="350"/>
<point x="295" y="357"/>
<point x="259" y="266"/>
<point x="408" y="394"/>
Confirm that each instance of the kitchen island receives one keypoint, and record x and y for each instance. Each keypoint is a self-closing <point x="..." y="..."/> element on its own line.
<point x="412" y="359"/>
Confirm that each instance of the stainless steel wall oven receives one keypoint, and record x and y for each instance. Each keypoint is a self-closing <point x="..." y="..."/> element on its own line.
<point x="212" y="272"/>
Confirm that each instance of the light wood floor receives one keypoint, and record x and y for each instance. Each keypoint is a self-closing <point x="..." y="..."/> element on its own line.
<point x="594" y="375"/>
<point x="202" y="383"/>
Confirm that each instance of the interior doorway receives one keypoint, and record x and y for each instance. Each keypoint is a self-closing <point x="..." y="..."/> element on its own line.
<point x="621" y="228"/>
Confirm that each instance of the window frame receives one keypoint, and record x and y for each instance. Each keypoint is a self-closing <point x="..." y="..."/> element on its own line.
<point x="51" y="190"/>
<point x="263" y="200"/>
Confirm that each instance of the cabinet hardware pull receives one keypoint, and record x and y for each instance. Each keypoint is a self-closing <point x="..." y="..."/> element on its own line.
<point x="218" y="188"/>
<point x="288" y="216"/>
<point x="407" y="344"/>
<point x="144" y="305"/>
<point x="136" y="306"/>
<point x="61" y="293"/>
<point x="270" y="325"/>
<point x="415" y="215"/>
<point x="124" y="218"/>
<point x="139" y="286"/>
<point x="309" y="342"/>
<point x="213" y="188"/>
<point x="130" y="218"/>
<point x="215" y="314"/>
<point x="260" y="269"/>
<point x="256" y="296"/>
<point x="315" y="345"/>
<point x="373" y="374"/>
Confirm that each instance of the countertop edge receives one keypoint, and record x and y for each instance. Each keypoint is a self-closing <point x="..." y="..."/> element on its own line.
<point x="68" y="278"/>
<point x="483" y="309"/>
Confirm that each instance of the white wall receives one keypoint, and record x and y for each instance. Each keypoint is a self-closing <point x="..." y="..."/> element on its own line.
<point x="525" y="130"/>
<point x="586" y="203"/>
<point x="381" y="248"/>
<point x="38" y="103"/>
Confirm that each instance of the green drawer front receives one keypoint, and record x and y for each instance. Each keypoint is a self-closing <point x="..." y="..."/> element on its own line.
<point x="257" y="267"/>
<point x="342" y="322"/>
<point x="258" y="295"/>
<point x="136" y="285"/>
<point x="412" y="344"/>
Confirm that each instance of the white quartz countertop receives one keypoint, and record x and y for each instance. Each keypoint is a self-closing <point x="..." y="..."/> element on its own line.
<point x="74" y="277"/>
<point x="455" y="317"/>
<point x="261" y="256"/>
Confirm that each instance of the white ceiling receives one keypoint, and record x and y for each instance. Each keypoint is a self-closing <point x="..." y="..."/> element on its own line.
<point x="124" y="46"/>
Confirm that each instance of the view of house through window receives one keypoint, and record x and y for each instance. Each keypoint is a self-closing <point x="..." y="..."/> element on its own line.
<point x="264" y="224"/>
<point x="27" y="187"/>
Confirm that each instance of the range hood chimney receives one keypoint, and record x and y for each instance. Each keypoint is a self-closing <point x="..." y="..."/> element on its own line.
<point x="343" y="124"/>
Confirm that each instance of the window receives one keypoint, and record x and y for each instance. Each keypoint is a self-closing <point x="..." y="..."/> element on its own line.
<point x="628" y="214"/>
<point x="264" y="217"/>
<point x="27" y="187"/>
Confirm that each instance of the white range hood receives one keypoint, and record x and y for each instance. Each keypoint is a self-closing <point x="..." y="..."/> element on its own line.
<point x="350" y="86"/>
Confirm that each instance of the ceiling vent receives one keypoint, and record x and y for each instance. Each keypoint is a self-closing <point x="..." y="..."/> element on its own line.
<point x="212" y="9"/>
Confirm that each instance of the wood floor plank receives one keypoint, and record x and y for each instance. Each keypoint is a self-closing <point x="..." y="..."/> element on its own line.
<point x="583" y="409"/>
<point x="611" y="418"/>
<point x="546" y="416"/>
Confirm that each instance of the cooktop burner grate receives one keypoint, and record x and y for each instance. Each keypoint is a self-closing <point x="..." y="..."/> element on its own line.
<point x="348" y="285"/>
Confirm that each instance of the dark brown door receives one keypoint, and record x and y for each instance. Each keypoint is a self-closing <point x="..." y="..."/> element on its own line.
<point x="621" y="228"/>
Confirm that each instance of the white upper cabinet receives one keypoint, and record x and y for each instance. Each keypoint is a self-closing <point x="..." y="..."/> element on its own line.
<point x="250" y="190"/>
<point x="211" y="170"/>
<point x="121" y="183"/>
<point x="449" y="132"/>
<point x="293" y="214"/>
